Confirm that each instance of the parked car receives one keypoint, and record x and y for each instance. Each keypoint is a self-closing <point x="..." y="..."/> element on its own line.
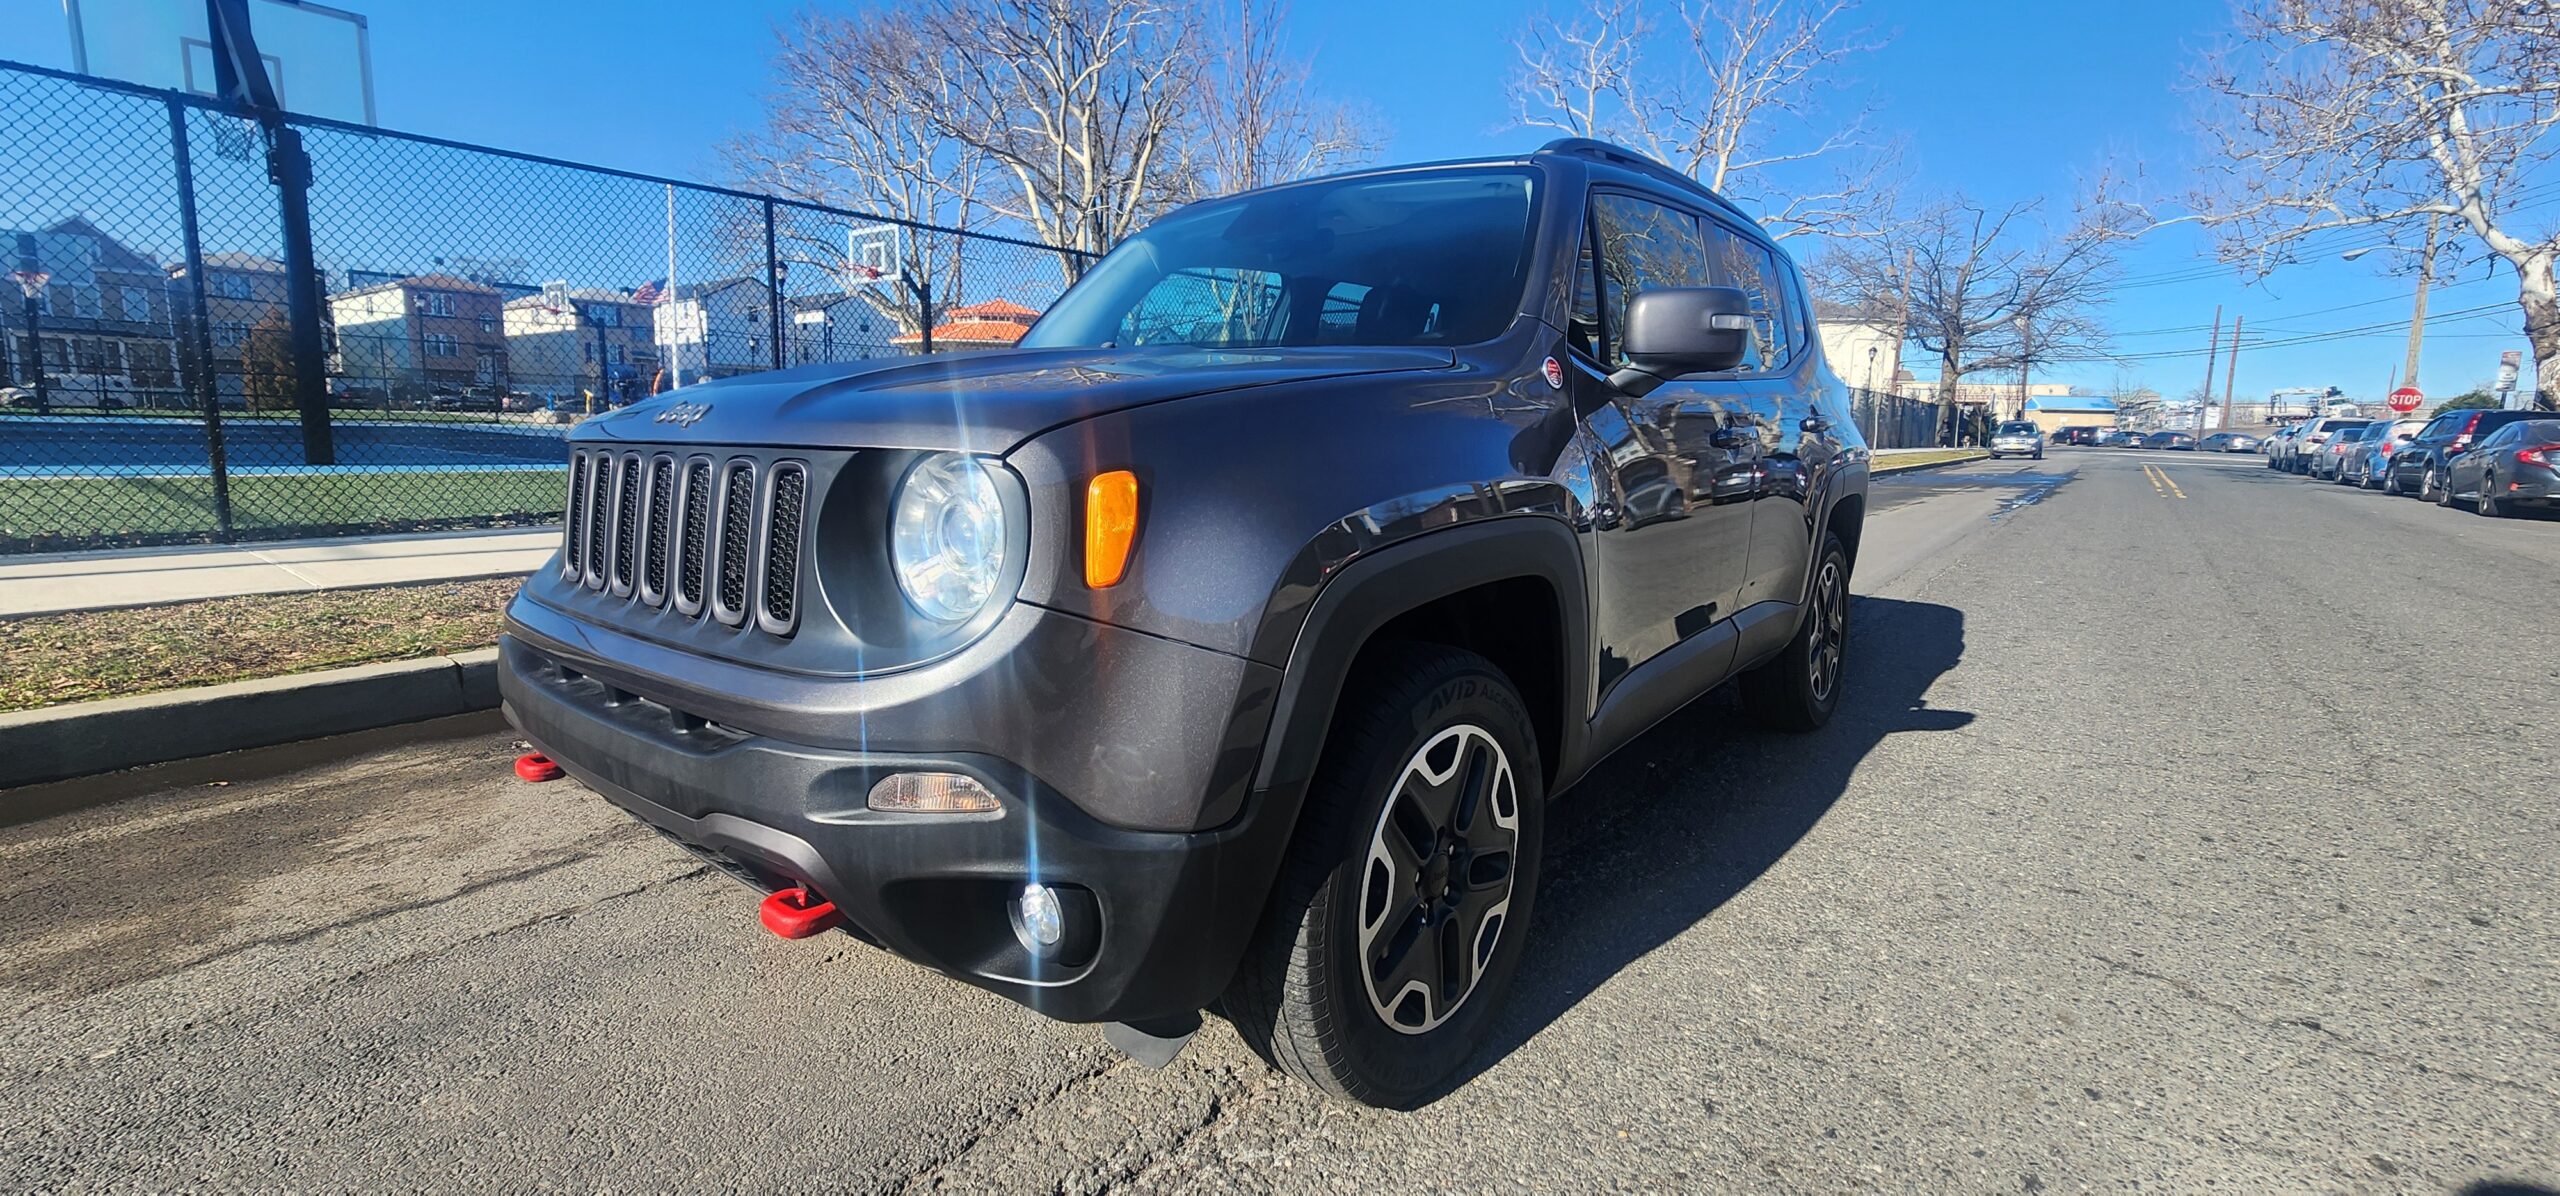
<point x="2320" y="462"/>
<point x="2515" y="467"/>
<point x="2083" y="434"/>
<point x="2278" y="445"/>
<point x="2229" y="442"/>
<point x="2017" y="438"/>
<point x="519" y="402"/>
<point x="2366" y="464"/>
<point x="2419" y="468"/>
<point x="2170" y="440"/>
<point x="2118" y="438"/>
<point x="1313" y="789"/>
<point x="2307" y="445"/>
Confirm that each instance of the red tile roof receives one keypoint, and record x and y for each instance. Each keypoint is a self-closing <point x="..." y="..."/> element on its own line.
<point x="968" y="332"/>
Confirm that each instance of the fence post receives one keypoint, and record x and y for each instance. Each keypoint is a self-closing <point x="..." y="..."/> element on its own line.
<point x="773" y="283"/>
<point x="200" y="325"/>
<point x="290" y="169"/>
<point x="924" y="309"/>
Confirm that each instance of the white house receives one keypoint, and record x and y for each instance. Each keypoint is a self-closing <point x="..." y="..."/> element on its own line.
<point x="713" y="329"/>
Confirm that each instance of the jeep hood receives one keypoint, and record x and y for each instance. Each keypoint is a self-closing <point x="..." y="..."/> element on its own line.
<point x="974" y="402"/>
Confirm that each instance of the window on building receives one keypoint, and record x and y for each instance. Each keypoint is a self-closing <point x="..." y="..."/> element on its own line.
<point x="230" y="286"/>
<point x="133" y="304"/>
<point x="488" y="323"/>
<point x="230" y="334"/>
<point x="83" y="301"/>
<point x="440" y="344"/>
<point x="435" y="303"/>
<point x="621" y="355"/>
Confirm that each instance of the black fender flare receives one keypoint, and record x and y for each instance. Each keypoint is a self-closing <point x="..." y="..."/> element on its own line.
<point x="1376" y="587"/>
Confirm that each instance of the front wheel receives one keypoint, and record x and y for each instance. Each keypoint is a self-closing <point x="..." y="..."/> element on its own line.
<point x="1797" y="689"/>
<point x="2487" y="504"/>
<point x="1403" y="906"/>
<point x="2438" y="486"/>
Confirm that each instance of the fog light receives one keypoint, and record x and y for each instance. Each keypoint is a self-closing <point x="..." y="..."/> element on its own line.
<point x="931" y="793"/>
<point x="1038" y="913"/>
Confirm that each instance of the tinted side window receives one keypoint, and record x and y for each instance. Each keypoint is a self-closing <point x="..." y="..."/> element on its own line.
<point x="2490" y="420"/>
<point x="1738" y="261"/>
<point x="1642" y="245"/>
<point x="2498" y="439"/>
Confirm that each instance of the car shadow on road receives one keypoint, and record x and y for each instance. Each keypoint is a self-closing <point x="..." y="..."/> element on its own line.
<point x="1667" y="831"/>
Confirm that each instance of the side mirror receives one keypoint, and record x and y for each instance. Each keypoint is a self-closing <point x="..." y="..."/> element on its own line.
<point x="1673" y="332"/>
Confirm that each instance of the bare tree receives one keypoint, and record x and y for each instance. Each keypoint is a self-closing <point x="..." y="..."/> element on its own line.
<point x="854" y="127"/>
<point x="1254" y="121"/>
<point x="1982" y="289"/>
<point x="1736" y="107"/>
<point x="2334" y="114"/>
<point x="1079" y="104"/>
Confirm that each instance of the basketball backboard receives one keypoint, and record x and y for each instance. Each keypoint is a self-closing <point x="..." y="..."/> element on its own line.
<point x="318" y="59"/>
<point x="871" y="255"/>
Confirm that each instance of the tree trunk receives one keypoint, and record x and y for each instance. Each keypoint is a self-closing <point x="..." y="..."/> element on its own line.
<point x="2541" y="301"/>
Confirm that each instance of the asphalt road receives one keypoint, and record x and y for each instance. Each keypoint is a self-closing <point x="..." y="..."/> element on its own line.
<point x="2149" y="850"/>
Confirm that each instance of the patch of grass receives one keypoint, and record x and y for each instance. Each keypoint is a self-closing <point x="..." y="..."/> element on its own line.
<point x="1894" y="461"/>
<point x="83" y="655"/>
<point x="53" y="514"/>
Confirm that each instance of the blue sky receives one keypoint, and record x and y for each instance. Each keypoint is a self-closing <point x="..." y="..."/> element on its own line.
<point x="2003" y="99"/>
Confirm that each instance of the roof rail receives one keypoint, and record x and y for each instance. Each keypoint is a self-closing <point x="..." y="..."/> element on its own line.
<point x="1596" y="150"/>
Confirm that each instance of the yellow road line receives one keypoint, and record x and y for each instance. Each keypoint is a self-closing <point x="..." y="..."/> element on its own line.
<point x="2161" y="483"/>
<point x="2152" y="476"/>
<point x="2171" y="482"/>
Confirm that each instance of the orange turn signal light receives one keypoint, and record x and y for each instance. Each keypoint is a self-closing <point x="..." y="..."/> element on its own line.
<point x="1110" y="526"/>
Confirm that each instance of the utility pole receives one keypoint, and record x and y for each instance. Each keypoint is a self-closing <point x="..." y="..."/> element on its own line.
<point x="2211" y="350"/>
<point x="2230" y="372"/>
<point x="2418" y="313"/>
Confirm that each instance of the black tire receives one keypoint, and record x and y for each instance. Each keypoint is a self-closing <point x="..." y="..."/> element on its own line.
<point x="2487" y="504"/>
<point x="1304" y="997"/>
<point x="2441" y="484"/>
<point x="1799" y="688"/>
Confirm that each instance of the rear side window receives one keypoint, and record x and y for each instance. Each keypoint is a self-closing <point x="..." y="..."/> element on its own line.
<point x="1643" y="245"/>
<point x="1740" y="262"/>
<point x="2500" y="438"/>
<point x="2492" y="420"/>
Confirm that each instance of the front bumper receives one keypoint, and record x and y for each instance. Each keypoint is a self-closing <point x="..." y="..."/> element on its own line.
<point x="1168" y="910"/>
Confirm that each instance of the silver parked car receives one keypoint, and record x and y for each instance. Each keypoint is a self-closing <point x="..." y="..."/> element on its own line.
<point x="2302" y="453"/>
<point x="2369" y="460"/>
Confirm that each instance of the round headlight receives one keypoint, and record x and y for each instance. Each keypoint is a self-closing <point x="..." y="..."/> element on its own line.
<point x="946" y="536"/>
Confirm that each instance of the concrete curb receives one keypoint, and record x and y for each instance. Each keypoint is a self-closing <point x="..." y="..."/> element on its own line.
<point x="1878" y="468"/>
<point x="60" y="742"/>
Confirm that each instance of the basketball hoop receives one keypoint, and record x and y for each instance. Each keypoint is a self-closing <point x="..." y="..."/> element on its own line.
<point x="32" y="281"/>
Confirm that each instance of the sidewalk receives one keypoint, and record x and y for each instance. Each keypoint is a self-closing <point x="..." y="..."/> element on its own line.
<point x="32" y="585"/>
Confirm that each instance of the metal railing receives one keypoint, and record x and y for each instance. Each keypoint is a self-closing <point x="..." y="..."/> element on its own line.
<point x="1891" y="421"/>
<point x="473" y="304"/>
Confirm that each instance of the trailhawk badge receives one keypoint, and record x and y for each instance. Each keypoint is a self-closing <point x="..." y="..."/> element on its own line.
<point x="684" y="415"/>
<point x="1555" y="373"/>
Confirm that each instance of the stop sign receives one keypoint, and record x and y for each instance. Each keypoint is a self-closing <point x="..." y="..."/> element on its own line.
<point x="2406" y="399"/>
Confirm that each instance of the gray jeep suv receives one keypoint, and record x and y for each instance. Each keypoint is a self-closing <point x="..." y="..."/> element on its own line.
<point x="1221" y="646"/>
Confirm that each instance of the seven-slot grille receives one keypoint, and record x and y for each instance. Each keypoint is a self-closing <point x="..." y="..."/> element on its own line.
<point x="662" y="529"/>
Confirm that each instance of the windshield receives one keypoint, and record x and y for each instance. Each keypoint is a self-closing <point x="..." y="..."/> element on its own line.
<point x="1428" y="258"/>
<point x="2014" y="429"/>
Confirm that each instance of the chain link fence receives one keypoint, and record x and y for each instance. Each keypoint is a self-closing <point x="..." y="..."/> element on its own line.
<point x="471" y="306"/>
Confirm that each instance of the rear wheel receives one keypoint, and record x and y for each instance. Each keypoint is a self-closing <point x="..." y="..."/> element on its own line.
<point x="1797" y="689"/>
<point x="1403" y="906"/>
<point x="2487" y="504"/>
<point x="2434" y="488"/>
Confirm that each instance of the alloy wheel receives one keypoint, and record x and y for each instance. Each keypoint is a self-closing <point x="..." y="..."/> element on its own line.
<point x="1436" y="887"/>
<point x="1830" y="638"/>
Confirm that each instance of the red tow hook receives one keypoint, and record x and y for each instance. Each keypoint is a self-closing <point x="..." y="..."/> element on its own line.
<point x="798" y="913"/>
<point x="534" y="766"/>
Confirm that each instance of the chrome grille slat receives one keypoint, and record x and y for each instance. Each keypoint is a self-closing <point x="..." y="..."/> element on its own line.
<point x="653" y="541"/>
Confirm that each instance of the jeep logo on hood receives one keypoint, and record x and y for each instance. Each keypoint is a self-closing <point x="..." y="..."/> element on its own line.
<point x="683" y="414"/>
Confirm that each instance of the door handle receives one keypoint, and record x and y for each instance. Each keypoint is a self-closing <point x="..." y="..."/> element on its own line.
<point x="1815" y="424"/>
